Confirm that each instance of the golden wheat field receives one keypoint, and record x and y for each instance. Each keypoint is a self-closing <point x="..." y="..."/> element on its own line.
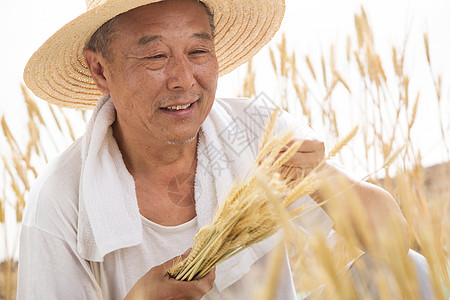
<point x="383" y="147"/>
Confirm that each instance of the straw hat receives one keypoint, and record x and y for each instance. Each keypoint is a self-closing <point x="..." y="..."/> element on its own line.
<point x="57" y="72"/>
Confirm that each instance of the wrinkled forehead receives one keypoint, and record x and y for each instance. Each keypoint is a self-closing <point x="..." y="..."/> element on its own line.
<point x="166" y="11"/>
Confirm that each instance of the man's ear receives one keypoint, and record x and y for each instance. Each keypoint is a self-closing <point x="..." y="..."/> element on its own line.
<point x="96" y="64"/>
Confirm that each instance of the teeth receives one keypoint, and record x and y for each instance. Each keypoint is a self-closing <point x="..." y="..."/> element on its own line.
<point x="178" y="107"/>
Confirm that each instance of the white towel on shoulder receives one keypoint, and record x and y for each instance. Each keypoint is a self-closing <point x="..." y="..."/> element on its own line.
<point x="109" y="217"/>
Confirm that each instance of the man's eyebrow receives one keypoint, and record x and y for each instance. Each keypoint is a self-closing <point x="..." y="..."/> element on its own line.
<point x="144" y="40"/>
<point x="203" y="35"/>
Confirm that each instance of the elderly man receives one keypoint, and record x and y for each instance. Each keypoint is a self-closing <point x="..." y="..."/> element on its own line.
<point x="99" y="221"/>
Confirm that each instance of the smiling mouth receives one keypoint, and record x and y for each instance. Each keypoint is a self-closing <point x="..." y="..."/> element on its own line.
<point x="177" y="107"/>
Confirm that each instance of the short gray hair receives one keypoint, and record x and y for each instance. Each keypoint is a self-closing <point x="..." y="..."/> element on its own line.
<point x="101" y="39"/>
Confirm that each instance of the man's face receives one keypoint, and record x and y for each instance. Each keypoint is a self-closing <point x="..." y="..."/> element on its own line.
<point x="163" y="73"/>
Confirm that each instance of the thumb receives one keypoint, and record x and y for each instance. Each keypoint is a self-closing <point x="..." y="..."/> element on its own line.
<point x="186" y="253"/>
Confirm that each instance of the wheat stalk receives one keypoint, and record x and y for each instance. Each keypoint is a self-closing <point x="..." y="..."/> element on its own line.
<point x="252" y="211"/>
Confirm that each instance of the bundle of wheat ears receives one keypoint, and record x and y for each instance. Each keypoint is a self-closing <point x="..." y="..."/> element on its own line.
<point x="248" y="214"/>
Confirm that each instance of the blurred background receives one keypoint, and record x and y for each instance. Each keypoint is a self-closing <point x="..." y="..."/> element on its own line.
<point x="380" y="65"/>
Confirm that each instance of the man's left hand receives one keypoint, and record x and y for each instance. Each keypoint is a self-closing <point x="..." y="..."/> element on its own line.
<point x="305" y="159"/>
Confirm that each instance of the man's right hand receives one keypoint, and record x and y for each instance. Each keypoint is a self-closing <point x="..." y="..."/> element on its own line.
<point x="157" y="284"/>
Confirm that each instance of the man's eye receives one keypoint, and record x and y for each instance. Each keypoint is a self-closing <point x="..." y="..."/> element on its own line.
<point x="159" y="56"/>
<point x="198" y="52"/>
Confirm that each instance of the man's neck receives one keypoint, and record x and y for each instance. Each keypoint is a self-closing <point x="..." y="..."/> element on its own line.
<point x="164" y="176"/>
<point x="150" y="157"/>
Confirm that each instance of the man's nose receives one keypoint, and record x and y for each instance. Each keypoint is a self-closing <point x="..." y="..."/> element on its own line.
<point x="181" y="75"/>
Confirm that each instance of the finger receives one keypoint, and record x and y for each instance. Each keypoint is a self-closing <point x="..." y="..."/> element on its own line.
<point x="304" y="160"/>
<point x="186" y="253"/>
<point x="294" y="173"/>
<point x="310" y="153"/>
<point x="299" y="159"/>
<point x="194" y="289"/>
<point x="211" y="276"/>
<point x="312" y="146"/>
<point x="306" y="146"/>
<point x="206" y="283"/>
<point x="178" y="289"/>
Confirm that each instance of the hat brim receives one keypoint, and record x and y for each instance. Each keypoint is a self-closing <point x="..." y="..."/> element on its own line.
<point x="57" y="72"/>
